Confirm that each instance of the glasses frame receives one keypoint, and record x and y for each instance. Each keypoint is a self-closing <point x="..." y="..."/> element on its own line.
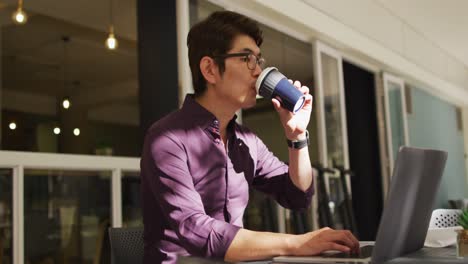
<point x="260" y="61"/>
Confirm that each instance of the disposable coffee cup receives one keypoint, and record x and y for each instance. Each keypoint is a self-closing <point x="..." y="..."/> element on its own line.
<point x="273" y="84"/>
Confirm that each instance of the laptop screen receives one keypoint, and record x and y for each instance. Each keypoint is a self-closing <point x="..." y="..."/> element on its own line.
<point x="407" y="210"/>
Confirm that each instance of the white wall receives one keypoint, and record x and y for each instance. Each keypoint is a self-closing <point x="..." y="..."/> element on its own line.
<point x="465" y="136"/>
<point x="365" y="29"/>
<point x="371" y="19"/>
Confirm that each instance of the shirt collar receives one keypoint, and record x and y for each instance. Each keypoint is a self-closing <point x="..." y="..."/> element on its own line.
<point x="201" y="116"/>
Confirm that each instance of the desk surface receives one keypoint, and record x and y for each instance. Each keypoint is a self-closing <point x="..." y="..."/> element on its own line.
<point x="416" y="259"/>
<point x="407" y="259"/>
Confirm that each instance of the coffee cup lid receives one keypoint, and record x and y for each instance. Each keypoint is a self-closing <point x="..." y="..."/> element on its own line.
<point x="262" y="76"/>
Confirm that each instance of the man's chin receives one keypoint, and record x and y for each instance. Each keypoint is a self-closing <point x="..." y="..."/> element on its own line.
<point x="249" y="105"/>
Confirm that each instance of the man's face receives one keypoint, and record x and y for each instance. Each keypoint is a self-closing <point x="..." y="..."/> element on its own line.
<point x="236" y="87"/>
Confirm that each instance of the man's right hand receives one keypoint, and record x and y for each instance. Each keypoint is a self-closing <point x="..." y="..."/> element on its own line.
<point x="252" y="245"/>
<point x="316" y="242"/>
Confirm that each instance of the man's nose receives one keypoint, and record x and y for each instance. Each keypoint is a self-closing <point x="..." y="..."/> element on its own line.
<point x="257" y="70"/>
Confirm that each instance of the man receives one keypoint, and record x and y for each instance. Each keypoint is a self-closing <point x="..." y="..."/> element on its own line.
<point x="198" y="163"/>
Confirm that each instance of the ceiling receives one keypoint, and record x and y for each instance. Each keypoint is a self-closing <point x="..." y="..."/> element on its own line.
<point x="36" y="54"/>
<point x="442" y="22"/>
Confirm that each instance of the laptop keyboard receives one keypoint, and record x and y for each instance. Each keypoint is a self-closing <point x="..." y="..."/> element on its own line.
<point x="366" y="252"/>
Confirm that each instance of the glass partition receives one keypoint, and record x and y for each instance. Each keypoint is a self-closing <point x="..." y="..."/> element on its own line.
<point x="131" y="200"/>
<point x="60" y="54"/>
<point x="333" y="138"/>
<point x="396" y="119"/>
<point x="396" y="122"/>
<point x="66" y="216"/>
<point x="334" y="132"/>
<point x="433" y="124"/>
<point x="332" y="110"/>
<point x="6" y="216"/>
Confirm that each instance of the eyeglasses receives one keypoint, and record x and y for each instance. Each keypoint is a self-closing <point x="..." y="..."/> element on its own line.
<point x="251" y="59"/>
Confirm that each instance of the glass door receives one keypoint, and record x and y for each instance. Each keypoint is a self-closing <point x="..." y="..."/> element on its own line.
<point x="395" y="116"/>
<point x="331" y="116"/>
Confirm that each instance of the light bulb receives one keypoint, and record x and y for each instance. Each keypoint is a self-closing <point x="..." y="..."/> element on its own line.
<point x="12" y="125"/>
<point x="111" y="42"/>
<point x="66" y="103"/>
<point x="76" y="131"/>
<point x="57" y="130"/>
<point x="19" y="16"/>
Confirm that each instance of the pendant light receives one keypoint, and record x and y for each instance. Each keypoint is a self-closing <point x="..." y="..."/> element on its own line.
<point x="66" y="102"/>
<point x="12" y="125"/>
<point x="19" y="16"/>
<point x="111" y="41"/>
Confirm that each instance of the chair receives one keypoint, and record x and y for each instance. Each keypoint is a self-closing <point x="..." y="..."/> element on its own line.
<point x="444" y="218"/>
<point x="459" y="204"/>
<point x="126" y="245"/>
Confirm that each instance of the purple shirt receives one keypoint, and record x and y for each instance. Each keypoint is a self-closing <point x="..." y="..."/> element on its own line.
<point x="194" y="192"/>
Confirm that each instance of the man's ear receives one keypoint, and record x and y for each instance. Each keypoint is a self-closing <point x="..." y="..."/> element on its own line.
<point x="209" y="69"/>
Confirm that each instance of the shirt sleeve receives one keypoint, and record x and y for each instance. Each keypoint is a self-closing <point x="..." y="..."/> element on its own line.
<point x="272" y="178"/>
<point x="182" y="206"/>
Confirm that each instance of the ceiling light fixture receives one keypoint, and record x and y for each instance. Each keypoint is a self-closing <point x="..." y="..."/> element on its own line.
<point x="19" y="16"/>
<point x="12" y="125"/>
<point x="57" y="130"/>
<point x="76" y="131"/>
<point x="66" y="102"/>
<point x="111" y="41"/>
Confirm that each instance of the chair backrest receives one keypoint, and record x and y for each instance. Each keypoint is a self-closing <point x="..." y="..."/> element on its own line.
<point x="459" y="203"/>
<point x="126" y="245"/>
<point x="444" y="218"/>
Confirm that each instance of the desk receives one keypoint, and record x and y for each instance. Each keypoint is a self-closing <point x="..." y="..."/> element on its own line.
<point x="407" y="259"/>
<point x="412" y="259"/>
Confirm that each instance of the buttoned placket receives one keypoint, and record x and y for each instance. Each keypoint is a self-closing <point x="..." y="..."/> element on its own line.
<point x="215" y="132"/>
<point x="227" y="215"/>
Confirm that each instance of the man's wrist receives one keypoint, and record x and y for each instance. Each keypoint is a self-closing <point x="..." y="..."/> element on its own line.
<point x="299" y="143"/>
<point x="301" y="136"/>
<point x="291" y="244"/>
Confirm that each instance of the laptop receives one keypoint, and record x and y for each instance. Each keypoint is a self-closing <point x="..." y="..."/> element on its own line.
<point x="405" y="219"/>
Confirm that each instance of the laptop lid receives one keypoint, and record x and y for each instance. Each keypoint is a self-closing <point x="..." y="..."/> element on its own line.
<point x="405" y="220"/>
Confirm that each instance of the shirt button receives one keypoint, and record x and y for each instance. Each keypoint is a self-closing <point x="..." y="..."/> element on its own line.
<point x="217" y="140"/>
<point x="216" y="122"/>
